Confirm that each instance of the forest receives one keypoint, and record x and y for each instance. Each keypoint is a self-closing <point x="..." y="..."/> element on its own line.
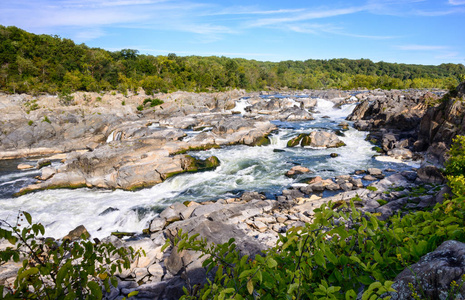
<point x="37" y="64"/>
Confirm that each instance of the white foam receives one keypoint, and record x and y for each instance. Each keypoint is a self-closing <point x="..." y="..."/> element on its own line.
<point x="411" y="163"/>
<point x="241" y="104"/>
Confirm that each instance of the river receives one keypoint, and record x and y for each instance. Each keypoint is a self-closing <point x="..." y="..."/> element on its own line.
<point x="242" y="169"/>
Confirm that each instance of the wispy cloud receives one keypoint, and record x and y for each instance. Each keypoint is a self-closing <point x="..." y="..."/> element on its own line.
<point x="457" y="2"/>
<point x="332" y="29"/>
<point x="252" y="10"/>
<point x="305" y="15"/>
<point x="421" y="47"/>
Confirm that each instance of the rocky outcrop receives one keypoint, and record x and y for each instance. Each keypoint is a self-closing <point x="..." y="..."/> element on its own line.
<point x="434" y="275"/>
<point x="397" y="110"/>
<point x="317" y="139"/>
<point x="441" y="124"/>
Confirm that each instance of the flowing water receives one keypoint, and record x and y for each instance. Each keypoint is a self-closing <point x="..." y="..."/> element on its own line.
<point x="242" y="169"/>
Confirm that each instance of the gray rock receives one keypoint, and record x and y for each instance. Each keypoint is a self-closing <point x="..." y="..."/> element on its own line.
<point x="430" y="174"/>
<point x="151" y="290"/>
<point x="434" y="273"/>
<point x="157" y="224"/>
<point x="374" y="171"/>
<point x="369" y="178"/>
<point x="347" y="186"/>
<point x="248" y="196"/>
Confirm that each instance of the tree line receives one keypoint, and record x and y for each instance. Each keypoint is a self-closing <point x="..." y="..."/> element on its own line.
<point x="35" y="64"/>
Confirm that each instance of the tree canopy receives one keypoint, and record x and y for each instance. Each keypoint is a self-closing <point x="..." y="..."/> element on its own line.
<point x="31" y="63"/>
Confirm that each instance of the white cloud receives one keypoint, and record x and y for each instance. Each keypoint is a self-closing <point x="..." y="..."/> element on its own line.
<point x="306" y="15"/>
<point x="457" y="2"/>
<point x="421" y="47"/>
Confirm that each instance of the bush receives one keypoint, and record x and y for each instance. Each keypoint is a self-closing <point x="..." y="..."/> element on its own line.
<point x="54" y="270"/>
<point x="65" y="97"/>
<point x="153" y="102"/>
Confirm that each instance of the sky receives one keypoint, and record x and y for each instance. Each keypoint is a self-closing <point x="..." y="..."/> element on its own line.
<point x="428" y="32"/>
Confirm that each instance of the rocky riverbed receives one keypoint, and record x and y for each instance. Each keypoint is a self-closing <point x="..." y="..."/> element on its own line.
<point x="106" y="144"/>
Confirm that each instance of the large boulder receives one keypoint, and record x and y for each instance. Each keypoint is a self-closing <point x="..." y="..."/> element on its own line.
<point x="433" y="276"/>
<point x="317" y="139"/>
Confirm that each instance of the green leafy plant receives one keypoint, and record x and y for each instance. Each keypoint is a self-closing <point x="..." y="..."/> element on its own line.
<point x="46" y="119"/>
<point x="65" y="97"/>
<point x="59" y="270"/>
<point x="153" y="102"/>
<point x="140" y="107"/>
<point x="30" y="122"/>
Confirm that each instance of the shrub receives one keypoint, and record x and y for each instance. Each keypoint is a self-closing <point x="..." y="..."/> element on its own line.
<point x="65" y="97"/>
<point x="153" y="102"/>
<point x="140" y="107"/>
<point x="50" y="270"/>
<point x="46" y="119"/>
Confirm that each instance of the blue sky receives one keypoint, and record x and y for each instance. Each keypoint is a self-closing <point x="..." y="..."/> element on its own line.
<point x="404" y="31"/>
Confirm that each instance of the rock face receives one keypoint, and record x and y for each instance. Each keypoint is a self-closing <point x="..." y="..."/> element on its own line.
<point x="402" y="122"/>
<point x="401" y="111"/>
<point x="441" y="124"/>
<point x="317" y="139"/>
<point x="434" y="273"/>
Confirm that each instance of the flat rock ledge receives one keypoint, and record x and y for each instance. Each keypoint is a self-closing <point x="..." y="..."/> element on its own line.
<point x="143" y="155"/>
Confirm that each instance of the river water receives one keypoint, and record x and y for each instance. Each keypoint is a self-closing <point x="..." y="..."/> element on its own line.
<point x="242" y="169"/>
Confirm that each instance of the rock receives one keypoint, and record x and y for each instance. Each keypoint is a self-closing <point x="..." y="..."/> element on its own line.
<point x="260" y="226"/>
<point x="150" y="290"/>
<point x="24" y="167"/>
<point x="317" y="139"/>
<point x="76" y="234"/>
<point x="334" y="155"/>
<point x="374" y="171"/>
<point x="43" y="162"/>
<point x="47" y="173"/>
<point x="171" y="214"/>
<point x="108" y="210"/>
<point x="430" y="174"/>
<point x="297" y="170"/>
<point x="369" y="178"/>
<point x="248" y="196"/>
<point x="400" y="153"/>
<point x="434" y="273"/>
<point x="157" y="224"/>
<point x="347" y="186"/>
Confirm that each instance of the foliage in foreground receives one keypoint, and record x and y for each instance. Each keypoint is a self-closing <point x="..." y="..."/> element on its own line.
<point x="343" y="252"/>
<point x="70" y="270"/>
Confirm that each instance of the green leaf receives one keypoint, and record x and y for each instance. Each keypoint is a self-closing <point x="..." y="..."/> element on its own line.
<point x="27" y="273"/>
<point x="28" y="217"/>
<point x="366" y="280"/>
<point x="246" y="273"/>
<point x="133" y="293"/>
<point x="250" y="286"/>
<point x="378" y="258"/>
<point x="320" y="259"/>
<point x="355" y="259"/>
<point x="95" y="289"/>
<point x="271" y="263"/>
<point x="351" y="295"/>
<point x="166" y="245"/>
